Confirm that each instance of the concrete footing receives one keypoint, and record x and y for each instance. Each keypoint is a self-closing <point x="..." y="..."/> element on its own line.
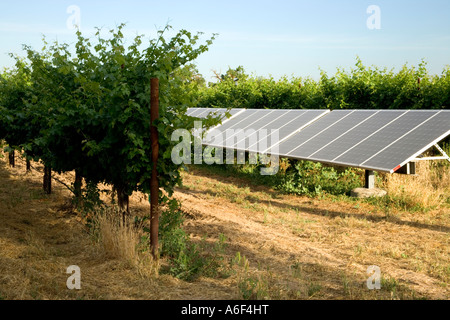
<point x="367" y="193"/>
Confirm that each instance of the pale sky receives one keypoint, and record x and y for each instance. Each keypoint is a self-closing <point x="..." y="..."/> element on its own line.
<point x="293" y="38"/>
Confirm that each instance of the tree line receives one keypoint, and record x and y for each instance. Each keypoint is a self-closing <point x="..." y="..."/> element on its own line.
<point x="361" y="87"/>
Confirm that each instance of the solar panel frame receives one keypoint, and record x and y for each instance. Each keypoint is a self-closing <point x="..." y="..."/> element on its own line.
<point x="422" y="150"/>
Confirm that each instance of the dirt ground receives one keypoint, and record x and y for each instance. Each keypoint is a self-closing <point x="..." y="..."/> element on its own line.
<point x="296" y="247"/>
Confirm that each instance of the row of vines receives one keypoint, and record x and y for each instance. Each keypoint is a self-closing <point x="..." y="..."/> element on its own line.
<point x="85" y="108"/>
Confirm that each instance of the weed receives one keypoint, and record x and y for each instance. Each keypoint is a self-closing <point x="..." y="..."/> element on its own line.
<point x="298" y="177"/>
<point x="297" y="269"/>
<point x="359" y="249"/>
<point x="250" y="287"/>
<point x="187" y="259"/>
<point x="390" y="284"/>
<point x="313" y="289"/>
<point x="346" y="285"/>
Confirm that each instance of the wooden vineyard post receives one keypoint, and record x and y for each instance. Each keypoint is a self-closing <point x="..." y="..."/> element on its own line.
<point x="154" y="184"/>
<point x="12" y="162"/>
<point x="77" y="185"/>
<point x="47" y="180"/>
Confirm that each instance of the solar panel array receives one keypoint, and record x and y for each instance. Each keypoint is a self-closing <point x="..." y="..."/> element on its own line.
<point x="204" y="112"/>
<point x="382" y="140"/>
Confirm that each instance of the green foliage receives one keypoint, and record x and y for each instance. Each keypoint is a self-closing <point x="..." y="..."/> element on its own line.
<point x="361" y="87"/>
<point x="89" y="111"/>
<point x="187" y="259"/>
<point x="14" y="120"/>
<point x="306" y="177"/>
<point x="298" y="177"/>
<point x="250" y="286"/>
<point x="89" y="201"/>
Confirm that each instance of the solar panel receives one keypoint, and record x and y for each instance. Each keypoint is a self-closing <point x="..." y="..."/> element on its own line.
<point x="253" y="135"/>
<point x="383" y="137"/>
<point x="287" y="125"/>
<point x="280" y="120"/>
<point x="245" y="131"/>
<point x="309" y="132"/>
<point x="236" y="121"/>
<point x="234" y="112"/>
<point x="378" y="140"/>
<point x="413" y="143"/>
<point x="204" y="112"/>
<point x="193" y="112"/>
<point x="350" y="139"/>
<point x="257" y="121"/>
<point x="344" y="124"/>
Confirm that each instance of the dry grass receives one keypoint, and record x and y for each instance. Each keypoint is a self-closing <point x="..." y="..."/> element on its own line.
<point x="121" y="239"/>
<point x="329" y="243"/>
<point x="41" y="236"/>
<point x="429" y="188"/>
<point x="294" y="247"/>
